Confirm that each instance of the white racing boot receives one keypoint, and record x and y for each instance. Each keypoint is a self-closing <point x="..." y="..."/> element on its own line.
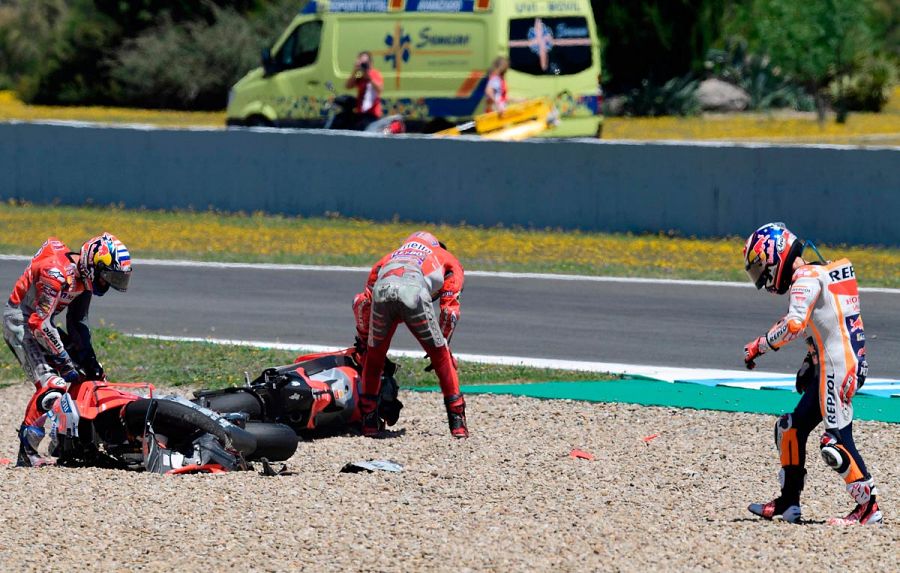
<point x="866" y="511"/>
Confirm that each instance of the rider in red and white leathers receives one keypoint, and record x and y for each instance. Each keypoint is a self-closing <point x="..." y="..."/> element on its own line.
<point x="824" y="303"/>
<point x="401" y="288"/>
<point x="55" y="280"/>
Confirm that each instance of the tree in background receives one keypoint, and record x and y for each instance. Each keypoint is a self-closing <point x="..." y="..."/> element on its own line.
<point x="814" y="41"/>
<point x="653" y="41"/>
<point x="152" y="53"/>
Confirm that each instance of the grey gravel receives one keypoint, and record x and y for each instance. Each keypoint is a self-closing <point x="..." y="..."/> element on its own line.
<point x="508" y="499"/>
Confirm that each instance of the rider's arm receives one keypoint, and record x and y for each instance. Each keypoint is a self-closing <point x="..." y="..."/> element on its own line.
<point x="80" y="345"/>
<point x="804" y="292"/>
<point x="449" y="297"/>
<point x="48" y="286"/>
<point x="362" y="303"/>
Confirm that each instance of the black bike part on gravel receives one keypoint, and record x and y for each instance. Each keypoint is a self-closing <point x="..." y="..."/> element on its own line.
<point x="275" y="442"/>
<point x="182" y="424"/>
<point x="232" y="400"/>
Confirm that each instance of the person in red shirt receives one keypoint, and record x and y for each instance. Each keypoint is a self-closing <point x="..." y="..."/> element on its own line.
<point x="369" y="84"/>
<point x="496" y="92"/>
<point x="401" y="288"/>
<point x="56" y="280"/>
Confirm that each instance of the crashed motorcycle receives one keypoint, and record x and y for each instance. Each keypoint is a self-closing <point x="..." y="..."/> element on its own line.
<point x="105" y="424"/>
<point x="317" y="394"/>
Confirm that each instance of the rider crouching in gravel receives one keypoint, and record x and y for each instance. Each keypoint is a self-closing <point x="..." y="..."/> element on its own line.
<point x="57" y="279"/>
<point x="401" y="288"/>
<point x="824" y="300"/>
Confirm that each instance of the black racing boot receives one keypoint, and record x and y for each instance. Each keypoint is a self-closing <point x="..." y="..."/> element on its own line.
<point x="456" y="415"/>
<point x="368" y="408"/>
<point x="787" y="505"/>
<point x="29" y="438"/>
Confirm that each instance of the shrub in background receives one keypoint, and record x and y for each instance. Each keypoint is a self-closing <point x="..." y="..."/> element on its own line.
<point x="677" y="96"/>
<point x="767" y="85"/>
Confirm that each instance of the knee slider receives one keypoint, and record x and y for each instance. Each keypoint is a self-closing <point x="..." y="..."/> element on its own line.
<point x="833" y="453"/>
<point x="48" y="399"/>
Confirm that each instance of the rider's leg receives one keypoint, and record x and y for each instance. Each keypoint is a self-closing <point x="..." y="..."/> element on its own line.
<point x="381" y="330"/>
<point x="791" y="434"/>
<point x="422" y="323"/>
<point x="837" y="446"/>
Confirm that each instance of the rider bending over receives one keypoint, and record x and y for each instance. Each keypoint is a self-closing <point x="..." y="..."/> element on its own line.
<point x="56" y="279"/>
<point x="401" y="288"/>
<point x="824" y="303"/>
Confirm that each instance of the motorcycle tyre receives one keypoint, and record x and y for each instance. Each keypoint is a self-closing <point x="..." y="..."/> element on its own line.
<point x="275" y="442"/>
<point x="182" y="425"/>
<point x="233" y="402"/>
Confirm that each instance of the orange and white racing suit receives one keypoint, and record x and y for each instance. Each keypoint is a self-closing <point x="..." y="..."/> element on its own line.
<point x="401" y="287"/>
<point x="49" y="285"/>
<point x="824" y="302"/>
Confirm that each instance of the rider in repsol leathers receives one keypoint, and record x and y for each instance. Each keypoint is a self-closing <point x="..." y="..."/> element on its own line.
<point x="824" y="303"/>
<point x="57" y="279"/>
<point x="401" y="288"/>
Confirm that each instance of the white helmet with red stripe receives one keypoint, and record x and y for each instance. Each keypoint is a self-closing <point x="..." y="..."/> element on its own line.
<point x="105" y="262"/>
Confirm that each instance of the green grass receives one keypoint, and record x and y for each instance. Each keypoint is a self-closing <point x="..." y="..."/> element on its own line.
<point x="214" y="236"/>
<point x="207" y="365"/>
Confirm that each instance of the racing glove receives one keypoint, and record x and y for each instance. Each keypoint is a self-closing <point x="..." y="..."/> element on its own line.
<point x="754" y="349"/>
<point x="63" y="364"/>
<point x="848" y="389"/>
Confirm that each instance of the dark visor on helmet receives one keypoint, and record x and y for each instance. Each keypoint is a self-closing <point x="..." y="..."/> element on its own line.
<point x="758" y="273"/>
<point x="116" y="279"/>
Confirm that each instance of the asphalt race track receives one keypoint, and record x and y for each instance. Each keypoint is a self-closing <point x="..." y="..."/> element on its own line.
<point x="635" y="323"/>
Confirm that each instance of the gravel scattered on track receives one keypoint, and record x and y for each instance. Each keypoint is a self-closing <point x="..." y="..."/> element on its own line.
<point x="509" y="498"/>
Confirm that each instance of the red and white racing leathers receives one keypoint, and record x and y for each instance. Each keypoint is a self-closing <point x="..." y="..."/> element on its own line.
<point x="824" y="299"/>
<point x="48" y="286"/>
<point x="401" y="288"/>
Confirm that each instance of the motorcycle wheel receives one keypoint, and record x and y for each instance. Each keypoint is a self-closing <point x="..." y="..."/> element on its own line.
<point x="182" y="424"/>
<point x="275" y="442"/>
<point x="232" y="402"/>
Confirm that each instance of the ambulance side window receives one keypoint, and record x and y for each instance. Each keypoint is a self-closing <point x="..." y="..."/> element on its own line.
<point x="302" y="47"/>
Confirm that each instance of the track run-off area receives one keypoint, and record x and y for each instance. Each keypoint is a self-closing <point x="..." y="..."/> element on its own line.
<point x="667" y="490"/>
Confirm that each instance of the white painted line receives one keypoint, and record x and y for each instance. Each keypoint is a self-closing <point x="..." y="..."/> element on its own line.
<point x="487" y="274"/>
<point x="663" y="373"/>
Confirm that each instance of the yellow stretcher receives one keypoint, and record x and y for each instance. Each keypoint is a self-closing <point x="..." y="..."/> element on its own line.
<point x="518" y="121"/>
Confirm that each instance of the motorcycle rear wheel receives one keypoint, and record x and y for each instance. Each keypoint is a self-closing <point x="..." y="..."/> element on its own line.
<point x="182" y="424"/>
<point x="232" y="402"/>
<point x="275" y="442"/>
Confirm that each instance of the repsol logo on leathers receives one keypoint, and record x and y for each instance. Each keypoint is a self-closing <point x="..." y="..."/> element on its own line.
<point x="842" y="274"/>
<point x="830" y="403"/>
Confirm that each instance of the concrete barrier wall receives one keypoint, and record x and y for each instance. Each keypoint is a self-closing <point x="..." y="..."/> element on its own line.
<point x="828" y="194"/>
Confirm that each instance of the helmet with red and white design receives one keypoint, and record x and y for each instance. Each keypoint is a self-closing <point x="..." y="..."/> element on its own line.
<point x="105" y="262"/>
<point x="426" y="238"/>
<point x="769" y="257"/>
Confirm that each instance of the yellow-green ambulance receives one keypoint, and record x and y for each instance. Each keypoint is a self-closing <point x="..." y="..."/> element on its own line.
<point x="433" y="55"/>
